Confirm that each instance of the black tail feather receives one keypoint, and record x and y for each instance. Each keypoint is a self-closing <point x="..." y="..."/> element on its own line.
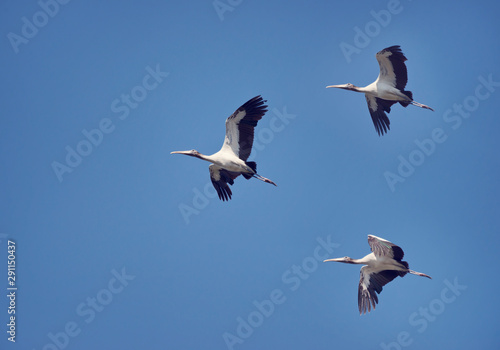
<point x="410" y="95"/>
<point x="253" y="166"/>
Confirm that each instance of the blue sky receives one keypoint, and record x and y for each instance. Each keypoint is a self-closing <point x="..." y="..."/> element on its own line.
<point x="120" y="244"/>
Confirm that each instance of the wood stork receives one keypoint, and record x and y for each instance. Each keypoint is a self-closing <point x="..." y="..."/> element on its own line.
<point x="231" y="160"/>
<point x="388" y="89"/>
<point x="381" y="267"/>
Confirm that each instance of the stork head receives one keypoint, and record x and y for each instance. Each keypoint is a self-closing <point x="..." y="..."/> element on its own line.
<point x="345" y="259"/>
<point x="344" y="86"/>
<point x="192" y="153"/>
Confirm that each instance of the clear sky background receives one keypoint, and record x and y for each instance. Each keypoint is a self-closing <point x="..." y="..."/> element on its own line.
<point x="126" y="246"/>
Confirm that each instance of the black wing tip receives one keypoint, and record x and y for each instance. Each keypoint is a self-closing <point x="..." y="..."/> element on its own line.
<point x="223" y="190"/>
<point x="255" y="107"/>
<point x="379" y="117"/>
<point x="259" y="97"/>
<point x="260" y="102"/>
<point x="256" y="100"/>
<point x="380" y="131"/>
<point x="224" y="195"/>
<point x="367" y="302"/>
<point x="393" y="48"/>
<point x="395" y="51"/>
<point x="382" y="125"/>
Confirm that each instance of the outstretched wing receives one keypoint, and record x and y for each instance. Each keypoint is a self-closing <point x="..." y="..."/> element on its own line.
<point x="377" y="108"/>
<point x="381" y="247"/>
<point x="392" y="67"/>
<point x="240" y="127"/>
<point x="370" y="284"/>
<point x="220" y="179"/>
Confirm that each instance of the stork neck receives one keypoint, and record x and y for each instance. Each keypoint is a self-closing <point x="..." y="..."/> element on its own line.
<point x="357" y="261"/>
<point x="365" y="260"/>
<point x="205" y="157"/>
<point x="364" y="89"/>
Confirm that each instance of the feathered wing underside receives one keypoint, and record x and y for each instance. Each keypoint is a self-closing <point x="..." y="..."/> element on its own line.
<point x="392" y="67"/>
<point x="370" y="284"/>
<point x="240" y="127"/>
<point x="383" y="248"/>
<point x="220" y="179"/>
<point x="378" y="107"/>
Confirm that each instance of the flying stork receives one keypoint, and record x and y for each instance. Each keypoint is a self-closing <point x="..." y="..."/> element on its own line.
<point x="381" y="267"/>
<point x="231" y="160"/>
<point x="388" y="89"/>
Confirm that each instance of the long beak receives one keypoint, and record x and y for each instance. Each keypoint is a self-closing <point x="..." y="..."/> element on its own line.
<point x="336" y="86"/>
<point x="179" y="152"/>
<point x="336" y="260"/>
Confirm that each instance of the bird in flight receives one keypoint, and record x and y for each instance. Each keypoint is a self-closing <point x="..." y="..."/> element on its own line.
<point x="231" y="160"/>
<point x="380" y="267"/>
<point x="388" y="89"/>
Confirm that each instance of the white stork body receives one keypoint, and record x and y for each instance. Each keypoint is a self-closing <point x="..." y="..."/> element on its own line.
<point x="380" y="267"/>
<point x="388" y="89"/>
<point x="231" y="160"/>
<point x="227" y="160"/>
